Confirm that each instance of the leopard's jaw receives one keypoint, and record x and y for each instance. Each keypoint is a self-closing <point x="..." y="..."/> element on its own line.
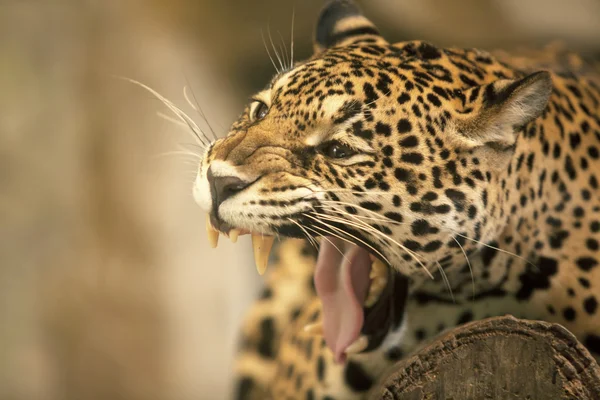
<point x="262" y="245"/>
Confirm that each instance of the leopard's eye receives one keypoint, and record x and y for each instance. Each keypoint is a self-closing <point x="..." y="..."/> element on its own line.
<point x="258" y="110"/>
<point x="337" y="150"/>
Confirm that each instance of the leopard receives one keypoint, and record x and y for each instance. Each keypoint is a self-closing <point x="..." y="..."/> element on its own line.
<point x="411" y="189"/>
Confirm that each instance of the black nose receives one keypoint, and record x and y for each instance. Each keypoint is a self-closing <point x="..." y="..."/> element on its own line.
<point x="223" y="187"/>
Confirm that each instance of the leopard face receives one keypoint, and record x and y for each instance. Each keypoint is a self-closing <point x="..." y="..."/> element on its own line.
<point x="373" y="142"/>
<point x="391" y="151"/>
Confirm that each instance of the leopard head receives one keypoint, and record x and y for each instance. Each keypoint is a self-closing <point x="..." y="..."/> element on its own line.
<point x="391" y="154"/>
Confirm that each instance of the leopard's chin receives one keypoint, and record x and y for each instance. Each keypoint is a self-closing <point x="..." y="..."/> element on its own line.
<point x="362" y="297"/>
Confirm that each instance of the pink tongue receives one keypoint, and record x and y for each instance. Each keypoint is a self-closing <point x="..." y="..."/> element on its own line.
<point x="342" y="283"/>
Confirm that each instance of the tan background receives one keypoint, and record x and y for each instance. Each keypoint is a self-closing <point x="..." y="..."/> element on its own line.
<point x="108" y="289"/>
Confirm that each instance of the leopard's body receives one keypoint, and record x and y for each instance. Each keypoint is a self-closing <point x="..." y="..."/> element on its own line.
<point x="484" y="168"/>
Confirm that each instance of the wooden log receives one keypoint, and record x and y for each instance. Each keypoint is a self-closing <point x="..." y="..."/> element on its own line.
<point x="496" y="358"/>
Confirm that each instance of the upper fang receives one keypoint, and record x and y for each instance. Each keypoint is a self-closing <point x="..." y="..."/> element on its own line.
<point x="212" y="233"/>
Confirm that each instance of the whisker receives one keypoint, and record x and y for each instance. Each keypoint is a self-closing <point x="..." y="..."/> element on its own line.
<point x="193" y="145"/>
<point x="275" y="49"/>
<point x="337" y="248"/>
<point x="172" y="120"/>
<point x="454" y="232"/>
<point x="347" y="234"/>
<point x="180" y="153"/>
<point x="328" y="203"/>
<point x="387" y="237"/>
<point x="379" y="98"/>
<point x="356" y="226"/>
<point x="174" y="109"/>
<point x="311" y="240"/>
<point x="445" y="278"/>
<point x="268" y="52"/>
<point x="329" y="207"/>
<point x="198" y="109"/>
<point x="352" y="192"/>
<point x="495" y="248"/>
<point x="383" y="218"/>
<point x="368" y="228"/>
<point x="284" y="51"/>
<point x="468" y="263"/>
<point x="292" y="39"/>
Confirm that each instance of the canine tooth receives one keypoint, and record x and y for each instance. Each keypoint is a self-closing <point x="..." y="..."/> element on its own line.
<point x="378" y="276"/>
<point x="314" y="328"/>
<point x="262" y="248"/>
<point x="233" y="235"/>
<point x="370" y="300"/>
<point x="358" y="345"/>
<point x="379" y="266"/>
<point x="213" y="234"/>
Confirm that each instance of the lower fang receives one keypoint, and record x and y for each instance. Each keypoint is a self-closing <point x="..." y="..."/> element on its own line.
<point x="262" y="249"/>
<point x="358" y="345"/>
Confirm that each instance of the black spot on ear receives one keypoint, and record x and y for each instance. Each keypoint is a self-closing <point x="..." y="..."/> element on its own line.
<point x="332" y="13"/>
<point x="428" y="52"/>
<point x="356" y="377"/>
<point x="335" y="11"/>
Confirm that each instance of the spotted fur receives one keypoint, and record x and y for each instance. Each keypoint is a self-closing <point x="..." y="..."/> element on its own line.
<point x="482" y="165"/>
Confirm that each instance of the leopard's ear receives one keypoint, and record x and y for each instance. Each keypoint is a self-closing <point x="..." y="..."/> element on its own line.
<point x="342" y="23"/>
<point x="494" y="112"/>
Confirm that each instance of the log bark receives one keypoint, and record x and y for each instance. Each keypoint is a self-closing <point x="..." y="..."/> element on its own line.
<point x="496" y="358"/>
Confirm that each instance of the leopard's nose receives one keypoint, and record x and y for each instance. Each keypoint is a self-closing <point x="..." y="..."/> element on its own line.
<point x="223" y="187"/>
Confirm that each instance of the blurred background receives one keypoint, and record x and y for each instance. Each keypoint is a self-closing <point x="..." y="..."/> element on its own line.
<point x="108" y="288"/>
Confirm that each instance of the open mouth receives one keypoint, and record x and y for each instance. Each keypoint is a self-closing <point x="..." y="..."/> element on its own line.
<point x="362" y="297"/>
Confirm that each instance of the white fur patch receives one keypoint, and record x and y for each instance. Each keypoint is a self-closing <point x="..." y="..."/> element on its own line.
<point x="201" y="191"/>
